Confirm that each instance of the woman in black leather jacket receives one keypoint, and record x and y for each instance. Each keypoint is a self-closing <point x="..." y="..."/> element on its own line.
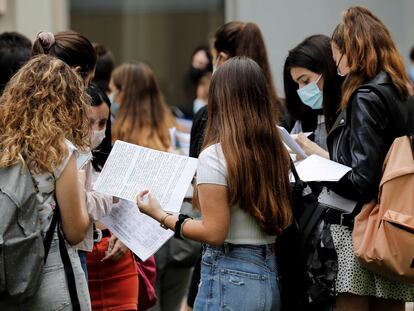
<point x="360" y="138"/>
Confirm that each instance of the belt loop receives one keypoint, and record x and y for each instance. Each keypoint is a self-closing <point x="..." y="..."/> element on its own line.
<point x="341" y="219"/>
<point x="226" y="248"/>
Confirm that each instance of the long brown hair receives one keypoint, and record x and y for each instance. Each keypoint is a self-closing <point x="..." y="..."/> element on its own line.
<point x="43" y="104"/>
<point x="245" y="39"/>
<point x="370" y="49"/>
<point x="242" y="120"/>
<point x="143" y="118"/>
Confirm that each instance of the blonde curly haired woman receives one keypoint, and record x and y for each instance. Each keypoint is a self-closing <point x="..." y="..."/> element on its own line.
<point x="44" y="121"/>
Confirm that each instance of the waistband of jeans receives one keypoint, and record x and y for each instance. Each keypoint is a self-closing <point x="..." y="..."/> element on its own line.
<point x="229" y="247"/>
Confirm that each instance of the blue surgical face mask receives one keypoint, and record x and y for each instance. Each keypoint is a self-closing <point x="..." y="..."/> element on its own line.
<point x="311" y="95"/>
<point x="411" y="73"/>
<point x="114" y="105"/>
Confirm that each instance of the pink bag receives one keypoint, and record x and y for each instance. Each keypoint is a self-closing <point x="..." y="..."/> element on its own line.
<point x="383" y="234"/>
<point x="147" y="275"/>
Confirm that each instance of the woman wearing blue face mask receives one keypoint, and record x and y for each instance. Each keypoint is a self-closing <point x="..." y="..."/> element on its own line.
<point x="313" y="91"/>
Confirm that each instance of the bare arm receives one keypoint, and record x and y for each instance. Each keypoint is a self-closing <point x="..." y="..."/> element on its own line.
<point x="70" y="195"/>
<point x="213" y="227"/>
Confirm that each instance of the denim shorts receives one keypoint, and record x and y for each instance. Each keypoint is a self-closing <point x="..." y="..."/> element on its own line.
<point x="239" y="278"/>
<point x="53" y="293"/>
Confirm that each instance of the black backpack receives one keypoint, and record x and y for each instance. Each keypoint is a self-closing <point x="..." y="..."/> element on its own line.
<point x="307" y="259"/>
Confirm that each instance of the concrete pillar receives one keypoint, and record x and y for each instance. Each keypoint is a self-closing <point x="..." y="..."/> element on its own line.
<point x="29" y="17"/>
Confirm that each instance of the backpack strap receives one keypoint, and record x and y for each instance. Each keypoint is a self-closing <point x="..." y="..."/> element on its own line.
<point x="47" y="241"/>
<point x="67" y="264"/>
<point x="70" y="276"/>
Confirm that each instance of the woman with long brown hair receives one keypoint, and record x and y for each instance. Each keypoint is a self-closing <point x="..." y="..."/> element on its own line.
<point x="242" y="190"/>
<point x="143" y="118"/>
<point x="360" y="138"/>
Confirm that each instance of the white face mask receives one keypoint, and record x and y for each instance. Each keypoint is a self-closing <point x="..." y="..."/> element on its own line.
<point x="97" y="138"/>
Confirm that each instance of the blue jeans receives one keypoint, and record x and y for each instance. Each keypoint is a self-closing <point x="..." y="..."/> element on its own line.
<point x="82" y="257"/>
<point x="238" y="277"/>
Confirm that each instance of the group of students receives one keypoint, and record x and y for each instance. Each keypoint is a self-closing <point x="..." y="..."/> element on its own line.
<point x="50" y="111"/>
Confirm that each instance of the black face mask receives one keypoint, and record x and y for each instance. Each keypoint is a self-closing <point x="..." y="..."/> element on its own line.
<point x="195" y="74"/>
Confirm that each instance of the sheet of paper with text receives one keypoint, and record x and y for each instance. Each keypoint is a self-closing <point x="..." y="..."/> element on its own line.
<point x="140" y="233"/>
<point x="131" y="169"/>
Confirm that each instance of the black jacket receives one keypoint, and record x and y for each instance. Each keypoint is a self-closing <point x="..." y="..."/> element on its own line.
<point x="197" y="132"/>
<point x="363" y="133"/>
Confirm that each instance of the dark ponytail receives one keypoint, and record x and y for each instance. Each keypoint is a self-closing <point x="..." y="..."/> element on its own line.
<point x="69" y="46"/>
<point x="246" y="39"/>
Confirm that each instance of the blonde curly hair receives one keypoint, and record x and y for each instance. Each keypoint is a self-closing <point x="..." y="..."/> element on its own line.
<point x="44" y="103"/>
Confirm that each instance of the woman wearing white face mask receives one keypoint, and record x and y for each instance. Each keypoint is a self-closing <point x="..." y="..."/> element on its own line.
<point x="312" y="89"/>
<point x="112" y="274"/>
<point x="98" y="204"/>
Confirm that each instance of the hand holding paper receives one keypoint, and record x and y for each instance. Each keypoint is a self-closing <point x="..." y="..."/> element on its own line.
<point x="149" y="205"/>
<point x="291" y="143"/>
<point x="140" y="233"/>
<point x="310" y="147"/>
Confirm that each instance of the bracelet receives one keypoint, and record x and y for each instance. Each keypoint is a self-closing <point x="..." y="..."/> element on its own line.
<point x="182" y="226"/>
<point x="162" y="222"/>
<point x="178" y="225"/>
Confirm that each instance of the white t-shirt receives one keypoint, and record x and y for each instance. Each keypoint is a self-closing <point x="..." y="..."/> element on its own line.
<point x="243" y="229"/>
<point x="46" y="185"/>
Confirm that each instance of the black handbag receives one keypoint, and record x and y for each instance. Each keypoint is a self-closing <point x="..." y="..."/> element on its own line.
<point x="305" y="252"/>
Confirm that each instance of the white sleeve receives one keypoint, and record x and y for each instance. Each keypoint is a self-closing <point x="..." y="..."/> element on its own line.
<point x="71" y="150"/>
<point x="211" y="168"/>
<point x="98" y="204"/>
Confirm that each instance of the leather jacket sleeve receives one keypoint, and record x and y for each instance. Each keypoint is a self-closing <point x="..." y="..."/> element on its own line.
<point x="369" y="144"/>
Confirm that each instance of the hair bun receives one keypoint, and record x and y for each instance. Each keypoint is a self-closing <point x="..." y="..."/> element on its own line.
<point x="46" y="38"/>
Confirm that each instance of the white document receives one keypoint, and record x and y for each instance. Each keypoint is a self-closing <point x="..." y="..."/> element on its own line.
<point x="131" y="169"/>
<point x="140" y="233"/>
<point x="82" y="159"/>
<point x="291" y="143"/>
<point x="316" y="168"/>
<point x="334" y="200"/>
<point x="294" y="136"/>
